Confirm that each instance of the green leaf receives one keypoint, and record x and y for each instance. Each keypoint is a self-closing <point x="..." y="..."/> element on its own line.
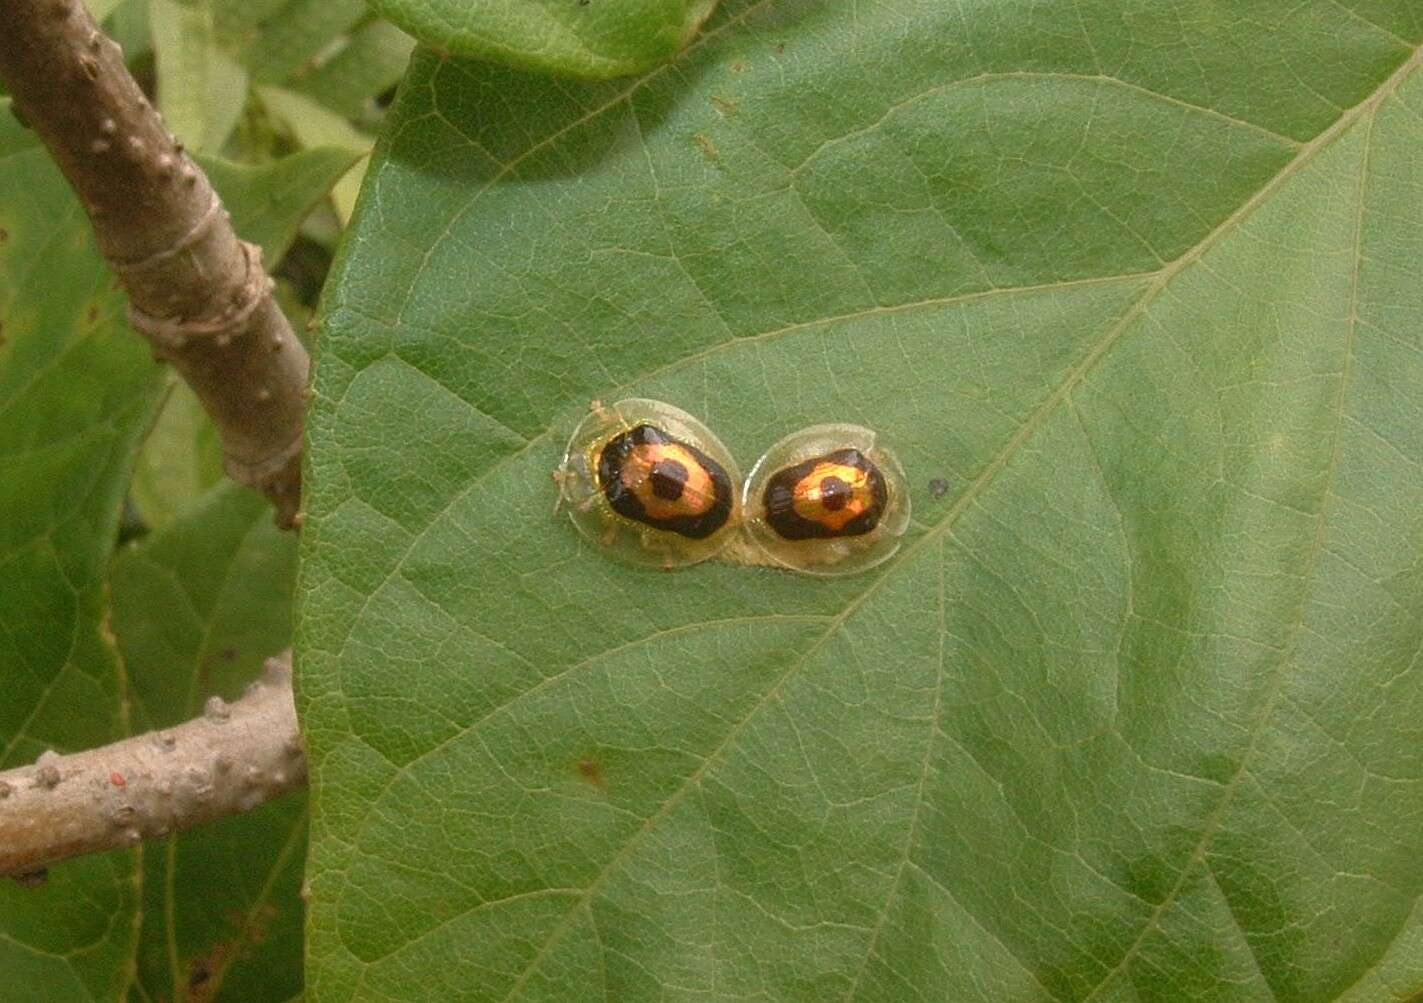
<point x="77" y="391"/>
<point x="100" y="9"/>
<point x="268" y="202"/>
<point x="14" y="137"/>
<point x="595" y="39"/>
<point x="182" y="458"/>
<point x="370" y="62"/>
<point x="197" y="607"/>
<point x="239" y="22"/>
<point x="201" y="90"/>
<point x="1134" y="715"/>
<point x="316" y="126"/>
<point x="297" y="33"/>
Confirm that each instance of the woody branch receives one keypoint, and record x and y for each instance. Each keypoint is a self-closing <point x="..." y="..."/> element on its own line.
<point x="229" y="760"/>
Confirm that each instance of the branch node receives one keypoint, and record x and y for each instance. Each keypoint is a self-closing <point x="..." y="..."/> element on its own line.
<point x="47" y="775"/>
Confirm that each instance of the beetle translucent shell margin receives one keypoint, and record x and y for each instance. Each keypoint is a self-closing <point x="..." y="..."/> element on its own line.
<point x="650" y="484"/>
<point x="827" y="500"/>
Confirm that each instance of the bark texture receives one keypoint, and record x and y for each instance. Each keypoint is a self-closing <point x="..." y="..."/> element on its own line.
<point x="231" y="759"/>
<point x="198" y="293"/>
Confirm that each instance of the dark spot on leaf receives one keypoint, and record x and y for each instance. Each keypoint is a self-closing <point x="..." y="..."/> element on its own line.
<point x="938" y="487"/>
<point x="198" y="973"/>
<point x="252" y="930"/>
<point x="780" y="47"/>
<point x="707" y="146"/>
<point x="34" y="879"/>
<point x="4" y="235"/>
<point x="92" y="314"/>
<point x="590" y="771"/>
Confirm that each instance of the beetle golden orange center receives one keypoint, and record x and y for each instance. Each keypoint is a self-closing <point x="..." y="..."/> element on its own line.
<point x="841" y="494"/>
<point x="652" y="478"/>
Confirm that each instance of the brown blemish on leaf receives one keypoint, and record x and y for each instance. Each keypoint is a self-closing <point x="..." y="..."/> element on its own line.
<point x="737" y="65"/>
<point x="725" y="106"/>
<point x="590" y="771"/>
<point x="707" y="146"/>
<point x="91" y="316"/>
<point x="203" y="986"/>
<point x="4" y="235"/>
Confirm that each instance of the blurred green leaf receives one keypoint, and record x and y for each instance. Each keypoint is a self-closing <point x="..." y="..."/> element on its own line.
<point x="239" y="22"/>
<point x="128" y="25"/>
<point x="180" y="460"/>
<point x="100" y="9"/>
<point x="1133" y="716"/>
<point x="14" y="137"/>
<point x="197" y="606"/>
<point x="316" y="126"/>
<point x="77" y="391"/>
<point x="201" y="90"/>
<point x="370" y="63"/>
<point x="582" y="38"/>
<point x="268" y="202"/>
<point x="296" y="34"/>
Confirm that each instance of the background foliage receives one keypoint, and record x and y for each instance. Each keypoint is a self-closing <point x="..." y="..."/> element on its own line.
<point x="1133" y="716"/>
<point x="93" y="648"/>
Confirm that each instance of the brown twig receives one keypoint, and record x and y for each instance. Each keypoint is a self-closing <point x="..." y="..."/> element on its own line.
<point x="198" y="293"/>
<point x="231" y="759"/>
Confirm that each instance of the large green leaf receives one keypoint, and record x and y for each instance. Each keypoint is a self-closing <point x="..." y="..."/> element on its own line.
<point x="197" y="607"/>
<point x="580" y="38"/>
<point x="77" y="390"/>
<point x="1132" y="716"/>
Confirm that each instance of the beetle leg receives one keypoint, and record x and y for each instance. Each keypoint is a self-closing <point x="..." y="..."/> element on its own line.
<point x="560" y="477"/>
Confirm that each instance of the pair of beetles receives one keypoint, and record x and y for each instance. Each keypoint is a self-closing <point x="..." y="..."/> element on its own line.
<point x="655" y="486"/>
